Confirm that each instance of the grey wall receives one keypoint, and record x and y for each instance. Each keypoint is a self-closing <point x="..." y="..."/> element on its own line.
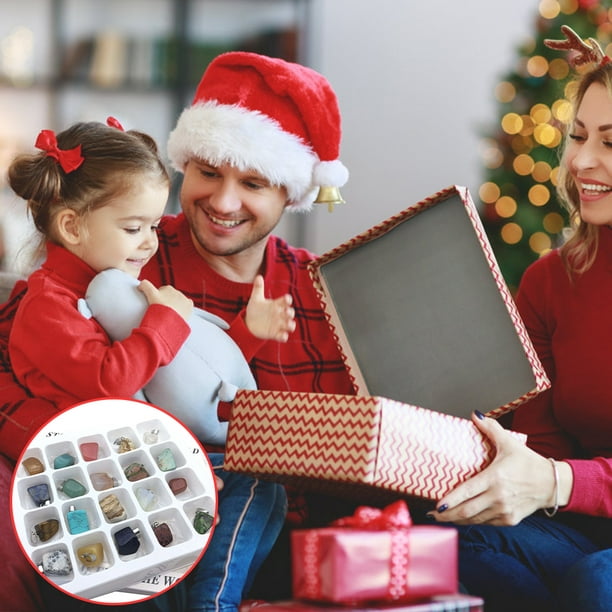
<point x="415" y="82"/>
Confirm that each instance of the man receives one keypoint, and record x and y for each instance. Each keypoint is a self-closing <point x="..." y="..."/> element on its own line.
<point x="261" y="137"/>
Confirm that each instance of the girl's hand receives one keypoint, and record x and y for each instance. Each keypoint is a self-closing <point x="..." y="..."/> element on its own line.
<point x="516" y="483"/>
<point x="269" y="319"/>
<point x="167" y="296"/>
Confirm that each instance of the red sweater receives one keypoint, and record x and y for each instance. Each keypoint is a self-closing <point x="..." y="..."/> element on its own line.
<point x="60" y="355"/>
<point x="309" y="361"/>
<point x="571" y="328"/>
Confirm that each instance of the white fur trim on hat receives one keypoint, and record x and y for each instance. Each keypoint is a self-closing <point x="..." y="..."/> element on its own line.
<point x="248" y="140"/>
<point x="330" y="174"/>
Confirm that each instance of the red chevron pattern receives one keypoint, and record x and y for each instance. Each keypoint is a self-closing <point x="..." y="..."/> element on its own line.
<point x="540" y="378"/>
<point x="373" y="441"/>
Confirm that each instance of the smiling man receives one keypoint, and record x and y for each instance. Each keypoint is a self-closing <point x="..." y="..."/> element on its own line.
<point x="261" y="136"/>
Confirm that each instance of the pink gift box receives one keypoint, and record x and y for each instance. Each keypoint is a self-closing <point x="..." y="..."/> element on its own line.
<point x="347" y="566"/>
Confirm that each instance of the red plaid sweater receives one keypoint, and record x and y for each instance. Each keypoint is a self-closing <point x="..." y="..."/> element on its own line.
<point x="309" y="361"/>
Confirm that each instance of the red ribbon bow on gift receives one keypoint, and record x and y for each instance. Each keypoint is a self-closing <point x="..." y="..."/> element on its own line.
<point x="394" y="516"/>
<point x="69" y="159"/>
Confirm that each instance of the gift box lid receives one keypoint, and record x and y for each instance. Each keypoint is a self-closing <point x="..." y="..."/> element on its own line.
<point x="422" y="314"/>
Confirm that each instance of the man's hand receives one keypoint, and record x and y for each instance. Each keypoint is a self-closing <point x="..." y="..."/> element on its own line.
<point x="269" y="319"/>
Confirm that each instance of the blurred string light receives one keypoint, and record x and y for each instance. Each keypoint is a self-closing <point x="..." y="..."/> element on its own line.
<point x="520" y="211"/>
<point x="16" y="56"/>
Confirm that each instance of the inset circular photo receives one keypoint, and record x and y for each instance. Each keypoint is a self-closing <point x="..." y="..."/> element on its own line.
<point x="113" y="501"/>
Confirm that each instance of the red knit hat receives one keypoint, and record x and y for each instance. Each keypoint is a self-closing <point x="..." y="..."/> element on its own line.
<point x="265" y="114"/>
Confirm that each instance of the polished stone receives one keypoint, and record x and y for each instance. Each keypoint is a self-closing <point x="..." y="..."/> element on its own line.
<point x="72" y="488"/>
<point x="127" y="540"/>
<point x="147" y="498"/>
<point x="78" y="521"/>
<point x="202" y="521"/>
<point x="177" y="485"/>
<point x="91" y="555"/>
<point x="89" y="450"/>
<point x="63" y="460"/>
<point x="135" y="472"/>
<point x="33" y="466"/>
<point x="166" y="461"/>
<point x="112" y="508"/>
<point x="162" y="533"/>
<point x="102" y="481"/>
<point x="45" y="530"/>
<point x="40" y="494"/>
<point x="56" y="563"/>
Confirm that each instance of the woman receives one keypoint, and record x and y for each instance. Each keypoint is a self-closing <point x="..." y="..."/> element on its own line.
<point x="513" y="555"/>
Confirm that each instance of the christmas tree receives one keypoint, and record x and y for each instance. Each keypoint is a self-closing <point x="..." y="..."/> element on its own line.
<point x="520" y="211"/>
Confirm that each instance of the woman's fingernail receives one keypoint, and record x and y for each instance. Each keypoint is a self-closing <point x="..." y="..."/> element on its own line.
<point x="430" y="516"/>
<point x="479" y="414"/>
<point x="441" y="508"/>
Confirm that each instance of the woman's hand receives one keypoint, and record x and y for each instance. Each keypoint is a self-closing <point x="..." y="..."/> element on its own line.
<point x="516" y="483"/>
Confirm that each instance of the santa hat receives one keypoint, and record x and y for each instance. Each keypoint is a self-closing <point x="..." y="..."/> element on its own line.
<point x="265" y="114"/>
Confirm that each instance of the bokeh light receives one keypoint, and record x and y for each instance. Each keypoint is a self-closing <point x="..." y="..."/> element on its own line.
<point x="539" y="195"/>
<point x="558" y="69"/>
<point x="490" y="153"/>
<point x="539" y="242"/>
<point x="505" y="92"/>
<point x="541" y="171"/>
<point x="511" y="233"/>
<point x="553" y="223"/>
<point x="506" y="206"/>
<point x="489" y="192"/>
<point x="523" y="164"/>
<point x="512" y="123"/>
<point x="562" y="110"/>
<point x="540" y="113"/>
<point x="549" y="9"/>
<point x="546" y="135"/>
<point x="537" y="66"/>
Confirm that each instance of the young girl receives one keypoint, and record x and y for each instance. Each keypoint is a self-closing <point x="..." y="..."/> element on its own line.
<point x="96" y="194"/>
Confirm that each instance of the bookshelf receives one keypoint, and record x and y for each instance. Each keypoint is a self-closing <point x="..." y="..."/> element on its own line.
<point x="138" y="60"/>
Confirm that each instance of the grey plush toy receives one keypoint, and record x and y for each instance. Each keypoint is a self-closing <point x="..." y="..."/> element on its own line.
<point x="208" y="368"/>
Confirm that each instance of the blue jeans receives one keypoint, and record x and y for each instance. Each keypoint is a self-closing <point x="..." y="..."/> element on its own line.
<point x="520" y="567"/>
<point x="252" y="513"/>
<point x="587" y="586"/>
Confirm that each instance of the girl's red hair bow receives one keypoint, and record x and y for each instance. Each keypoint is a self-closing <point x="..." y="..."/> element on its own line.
<point x="114" y="122"/>
<point x="69" y="159"/>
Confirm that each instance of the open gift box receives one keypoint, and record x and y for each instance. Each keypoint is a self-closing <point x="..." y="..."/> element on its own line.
<point x="422" y="315"/>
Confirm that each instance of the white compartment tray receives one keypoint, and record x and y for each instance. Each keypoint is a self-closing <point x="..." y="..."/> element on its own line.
<point x="104" y="422"/>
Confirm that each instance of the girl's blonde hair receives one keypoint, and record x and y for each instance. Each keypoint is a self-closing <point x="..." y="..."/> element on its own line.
<point x="112" y="159"/>
<point x="579" y="251"/>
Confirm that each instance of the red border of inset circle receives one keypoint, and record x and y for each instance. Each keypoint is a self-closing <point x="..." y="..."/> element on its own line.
<point x="154" y="409"/>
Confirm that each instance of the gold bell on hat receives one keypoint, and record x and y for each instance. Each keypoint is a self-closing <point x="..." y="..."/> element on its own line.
<point x="330" y="196"/>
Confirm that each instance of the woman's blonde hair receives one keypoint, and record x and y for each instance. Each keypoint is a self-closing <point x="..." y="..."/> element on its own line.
<point x="580" y="249"/>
